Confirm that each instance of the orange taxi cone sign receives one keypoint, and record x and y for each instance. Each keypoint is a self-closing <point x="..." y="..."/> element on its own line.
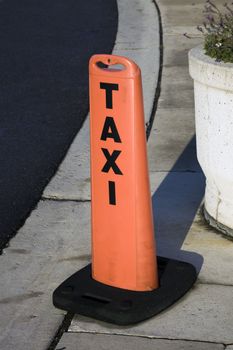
<point x="124" y="284"/>
<point x="123" y="247"/>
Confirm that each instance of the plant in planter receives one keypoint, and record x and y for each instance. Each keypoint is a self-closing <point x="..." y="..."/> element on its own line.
<point x="211" y="67"/>
<point x="218" y="32"/>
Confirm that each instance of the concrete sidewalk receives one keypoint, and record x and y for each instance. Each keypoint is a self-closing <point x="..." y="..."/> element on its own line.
<point x="55" y="241"/>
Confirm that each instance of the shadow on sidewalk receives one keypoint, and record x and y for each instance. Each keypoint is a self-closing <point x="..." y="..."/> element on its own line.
<point x="175" y="204"/>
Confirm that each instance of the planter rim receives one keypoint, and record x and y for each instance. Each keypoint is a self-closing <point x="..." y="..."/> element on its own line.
<point x="206" y="70"/>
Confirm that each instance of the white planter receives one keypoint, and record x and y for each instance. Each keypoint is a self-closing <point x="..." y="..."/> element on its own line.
<point x="213" y="93"/>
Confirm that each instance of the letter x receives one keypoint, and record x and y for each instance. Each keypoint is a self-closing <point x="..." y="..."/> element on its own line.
<point x="111" y="159"/>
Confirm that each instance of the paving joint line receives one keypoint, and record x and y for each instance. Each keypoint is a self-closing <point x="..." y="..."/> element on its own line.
<point x="63" y="328"/>
<point x="56" y="199"/>
<point x="148" y="337"/>
<point x="192" y="36"/>
<point x="176" y="171"/>
<point x="214" y="284"/>
<point x="159" y="81"/>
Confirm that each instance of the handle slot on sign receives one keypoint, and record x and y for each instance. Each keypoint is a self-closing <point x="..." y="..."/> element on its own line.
<point x="96" y="298"/>
<point x="111" y="67"/>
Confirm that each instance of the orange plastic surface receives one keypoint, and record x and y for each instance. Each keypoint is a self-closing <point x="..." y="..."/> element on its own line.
<point x="123" y="245"/>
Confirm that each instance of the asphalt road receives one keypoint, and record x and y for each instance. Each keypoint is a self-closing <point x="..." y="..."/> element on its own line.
<point x="45" y="49"/>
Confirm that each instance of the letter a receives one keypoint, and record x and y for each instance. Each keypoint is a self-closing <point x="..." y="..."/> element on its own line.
<point x="110" y="130"/>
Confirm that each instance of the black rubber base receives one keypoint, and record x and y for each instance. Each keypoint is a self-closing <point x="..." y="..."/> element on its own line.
<point x="82" y="295"/>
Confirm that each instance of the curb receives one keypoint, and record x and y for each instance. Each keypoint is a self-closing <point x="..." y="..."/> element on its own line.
<point x="139" y="38"/>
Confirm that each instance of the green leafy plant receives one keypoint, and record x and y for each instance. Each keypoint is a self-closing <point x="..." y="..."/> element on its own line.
<point x="217" y="29"/>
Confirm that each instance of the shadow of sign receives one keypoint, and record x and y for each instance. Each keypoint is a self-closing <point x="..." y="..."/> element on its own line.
<point x="175" y="204"/>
